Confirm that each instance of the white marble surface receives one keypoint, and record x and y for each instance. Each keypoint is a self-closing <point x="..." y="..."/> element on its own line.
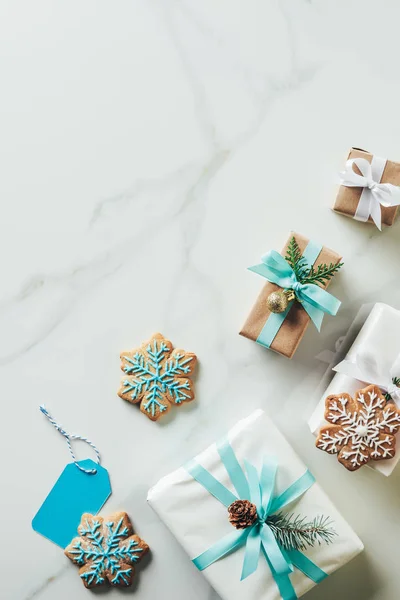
<point x="150" y="151"/>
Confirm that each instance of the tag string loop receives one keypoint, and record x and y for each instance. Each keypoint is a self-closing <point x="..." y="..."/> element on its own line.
<point x="68" y="438"/>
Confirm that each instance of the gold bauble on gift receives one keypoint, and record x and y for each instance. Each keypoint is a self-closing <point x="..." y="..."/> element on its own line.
<point x="277" y="302"/>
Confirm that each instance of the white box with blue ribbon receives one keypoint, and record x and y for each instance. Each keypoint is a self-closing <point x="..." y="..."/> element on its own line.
<point x="234" y="509"/>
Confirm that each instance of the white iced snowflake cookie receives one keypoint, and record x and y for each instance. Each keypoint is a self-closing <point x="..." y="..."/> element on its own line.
<point x="362" y="429"/>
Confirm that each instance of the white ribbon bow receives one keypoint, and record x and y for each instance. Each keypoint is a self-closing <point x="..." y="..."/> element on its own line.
<point x="365" y="367"/>
<point x="374" y="194"/>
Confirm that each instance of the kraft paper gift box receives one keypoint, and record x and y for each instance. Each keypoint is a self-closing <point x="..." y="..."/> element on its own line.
<point x="198" y="520"/>
<point x="379" y="342"/>
<point x="296" y="321"/>
<point x="348" y="198"/>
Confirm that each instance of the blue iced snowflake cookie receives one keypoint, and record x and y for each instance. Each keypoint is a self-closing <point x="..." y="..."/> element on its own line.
<point x="156" y="376"/>
<point x="106" y="550"/>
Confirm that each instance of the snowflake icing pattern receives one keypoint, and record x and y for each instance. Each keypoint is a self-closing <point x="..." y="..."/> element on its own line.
<point x="362" y="429"/>
<point x="106" y="550"/>
<point x="157" y="376"/>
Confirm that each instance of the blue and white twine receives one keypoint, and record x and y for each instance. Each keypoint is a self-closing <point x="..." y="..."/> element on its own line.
<point x="72" y="436"/>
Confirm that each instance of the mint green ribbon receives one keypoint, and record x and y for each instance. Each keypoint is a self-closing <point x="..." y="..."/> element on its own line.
<point x="315" y="301"/>
<point x="258" y="538"/>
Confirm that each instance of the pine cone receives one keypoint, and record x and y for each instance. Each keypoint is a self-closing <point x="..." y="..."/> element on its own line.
<point x="242" y="514"/>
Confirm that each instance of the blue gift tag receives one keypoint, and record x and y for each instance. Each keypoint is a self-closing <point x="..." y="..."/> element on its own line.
<point x="83" y="486"/>
<point x="74" y="493"/>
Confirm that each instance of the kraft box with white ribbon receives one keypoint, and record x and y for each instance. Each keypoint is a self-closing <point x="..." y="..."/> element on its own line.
<point x="247" y="479"/>
<point x="373" y="358"/>
<point x="369" y="190"/>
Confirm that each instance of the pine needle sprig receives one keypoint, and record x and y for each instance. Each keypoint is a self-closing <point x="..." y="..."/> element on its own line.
<point x="296" y="260"/>
<point x="396" y="381"/>
<point x="322" y="274"/>
<point x="304" y="274"/>
<point x="294" y="532"/>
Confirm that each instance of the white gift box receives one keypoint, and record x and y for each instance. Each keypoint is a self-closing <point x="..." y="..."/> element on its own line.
<point x="198" y="520"/>
<point x="379" y="336"/>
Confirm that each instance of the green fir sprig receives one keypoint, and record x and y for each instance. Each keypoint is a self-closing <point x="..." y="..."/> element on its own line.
<point x="304" y="274"/>
<point x="396" y="381"/>
<point x="322" y="274"/>
<point x="294" y="532"/>
<point x="296" y="260"/>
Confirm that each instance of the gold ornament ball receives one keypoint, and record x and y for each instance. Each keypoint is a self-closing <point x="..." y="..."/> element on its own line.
<point x="277" y="302"/>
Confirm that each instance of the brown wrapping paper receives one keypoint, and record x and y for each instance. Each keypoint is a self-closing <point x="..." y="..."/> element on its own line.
<point x="297" y="320"/>
<point x="347" y="199"/>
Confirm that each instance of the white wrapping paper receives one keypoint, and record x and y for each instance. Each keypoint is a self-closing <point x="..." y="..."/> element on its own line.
<point x="381" y="335"/>
<point x="198" y="520"/>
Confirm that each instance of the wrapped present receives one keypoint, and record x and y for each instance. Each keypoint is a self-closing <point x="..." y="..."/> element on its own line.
<point x="369" y="190"/>
<point x="252" y="518"/>
<point x="293" y="295"/>
<point x="373" y="359"/>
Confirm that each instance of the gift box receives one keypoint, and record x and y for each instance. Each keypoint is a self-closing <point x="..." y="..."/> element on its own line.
<point x="193" y="501"/>
<point x="283" y="332"/>
<point x="365" y="194"/>
<point x="373" y="358"/>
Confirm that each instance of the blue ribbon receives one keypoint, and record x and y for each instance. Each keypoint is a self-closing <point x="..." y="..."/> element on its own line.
<point x="314" y="299"/>
<point x="258" y="538"/>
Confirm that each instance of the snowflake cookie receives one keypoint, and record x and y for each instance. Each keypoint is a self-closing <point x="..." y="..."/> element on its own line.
<point x="362" y="429"/>
<point x="106" y="550"/>
<point x="157" y="376"/>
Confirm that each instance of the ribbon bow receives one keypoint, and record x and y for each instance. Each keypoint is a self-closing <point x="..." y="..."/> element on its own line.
<point x="258" y="537"/>
<point x="374" y="194"/>
<point x="366" y="368"/>
<point x="314" y="299"/>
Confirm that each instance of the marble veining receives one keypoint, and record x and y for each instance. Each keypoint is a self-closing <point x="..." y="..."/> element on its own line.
<point x="151" y="151"/>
